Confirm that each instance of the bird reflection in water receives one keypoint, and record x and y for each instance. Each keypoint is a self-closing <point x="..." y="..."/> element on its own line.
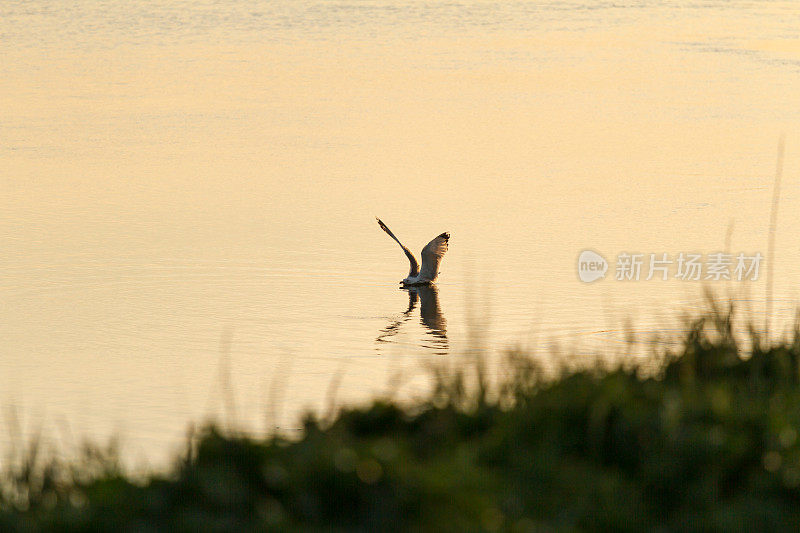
<point x="430" y="317"/>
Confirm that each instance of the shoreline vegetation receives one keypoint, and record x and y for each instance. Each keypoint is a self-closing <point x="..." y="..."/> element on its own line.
<point x="708" y="441"/>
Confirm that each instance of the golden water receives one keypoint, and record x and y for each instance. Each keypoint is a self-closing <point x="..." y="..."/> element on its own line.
<point x="175" y="174"/>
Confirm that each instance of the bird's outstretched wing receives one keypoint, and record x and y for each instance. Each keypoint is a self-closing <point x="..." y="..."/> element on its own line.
<point x="411" y="259"/>
<point x="432" y="256"/>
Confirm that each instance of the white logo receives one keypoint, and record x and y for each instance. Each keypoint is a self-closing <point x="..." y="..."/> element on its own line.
<point x="591" y="266"/>
<point x="720" y="266"/>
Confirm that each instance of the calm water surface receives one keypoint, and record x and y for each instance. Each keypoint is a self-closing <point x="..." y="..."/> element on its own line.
<point x="189" y="191"/>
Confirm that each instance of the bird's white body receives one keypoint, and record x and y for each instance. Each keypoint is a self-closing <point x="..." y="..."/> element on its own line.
<point x="416" y="280"/>
<point x="431" y="259"/>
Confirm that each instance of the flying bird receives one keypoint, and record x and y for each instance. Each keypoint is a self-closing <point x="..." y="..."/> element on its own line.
<point x="431" y="258"/>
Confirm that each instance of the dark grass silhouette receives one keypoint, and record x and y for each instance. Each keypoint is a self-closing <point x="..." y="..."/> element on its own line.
<point x="710" y="441"/>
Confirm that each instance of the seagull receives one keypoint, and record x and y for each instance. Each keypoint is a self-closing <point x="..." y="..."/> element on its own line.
<point x="431" y="257"/>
